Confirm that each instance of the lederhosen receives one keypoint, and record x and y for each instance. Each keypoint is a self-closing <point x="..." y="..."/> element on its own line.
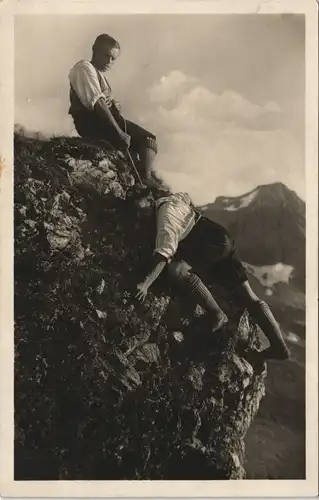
<point x="210" y="249"/>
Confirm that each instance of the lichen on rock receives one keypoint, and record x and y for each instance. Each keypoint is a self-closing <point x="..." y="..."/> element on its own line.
<point x="106" y="388"/>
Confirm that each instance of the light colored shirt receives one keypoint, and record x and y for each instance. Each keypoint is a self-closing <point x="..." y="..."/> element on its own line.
<point x="175" y="218"/>
<point x="89" y="84"/>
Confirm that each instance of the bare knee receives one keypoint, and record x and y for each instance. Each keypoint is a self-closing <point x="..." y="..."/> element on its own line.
<point x="178" y="271"/>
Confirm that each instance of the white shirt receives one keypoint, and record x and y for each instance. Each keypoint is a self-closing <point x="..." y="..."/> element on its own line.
<point x="175" y="219"/>
<point x="89" y="84"/>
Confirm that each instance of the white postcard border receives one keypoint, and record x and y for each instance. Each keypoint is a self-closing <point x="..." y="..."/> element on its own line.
<point x="138" y="489"/>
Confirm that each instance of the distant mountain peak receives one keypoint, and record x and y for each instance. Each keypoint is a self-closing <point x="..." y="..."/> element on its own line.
<point x="264" y="195"/>
<point x="277" y="189"/>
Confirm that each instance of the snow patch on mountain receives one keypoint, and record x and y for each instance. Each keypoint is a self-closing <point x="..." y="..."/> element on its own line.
<point x="271" y="274"/>
<point x="293" y="338"/>
<point x="242" y="202"/>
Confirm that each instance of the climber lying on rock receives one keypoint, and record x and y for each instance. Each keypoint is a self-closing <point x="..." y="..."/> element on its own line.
<point x="192" y="247"/>
<point x="97" y="115"/>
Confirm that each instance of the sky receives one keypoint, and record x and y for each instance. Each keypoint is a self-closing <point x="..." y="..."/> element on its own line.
<point x="224" y="94"/>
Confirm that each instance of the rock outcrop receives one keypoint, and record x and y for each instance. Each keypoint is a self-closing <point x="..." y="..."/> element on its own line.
<point x="106" y="388"/>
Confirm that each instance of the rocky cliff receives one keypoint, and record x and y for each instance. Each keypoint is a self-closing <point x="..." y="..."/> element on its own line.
<point x="106" y="388"/>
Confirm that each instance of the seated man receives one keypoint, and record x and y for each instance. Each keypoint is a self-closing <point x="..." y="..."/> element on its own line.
<point x="97" y="115"/>
<point x="192" y="245"/>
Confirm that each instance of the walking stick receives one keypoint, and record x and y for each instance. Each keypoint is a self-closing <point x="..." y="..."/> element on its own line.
<point x="134" y="167"/>
<point x="128" y="154"/>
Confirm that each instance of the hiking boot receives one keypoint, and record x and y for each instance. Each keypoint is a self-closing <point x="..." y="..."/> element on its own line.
<point x="279" y="353"/>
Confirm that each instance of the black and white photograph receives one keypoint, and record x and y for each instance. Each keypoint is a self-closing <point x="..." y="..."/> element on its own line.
<point x="159" y="205"/>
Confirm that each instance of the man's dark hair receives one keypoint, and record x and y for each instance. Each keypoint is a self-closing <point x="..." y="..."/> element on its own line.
<point x="106" y="39"/>
<point x="138" y="192"/>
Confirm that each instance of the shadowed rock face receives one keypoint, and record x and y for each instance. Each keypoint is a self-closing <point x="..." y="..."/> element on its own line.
<point x="106" y="388"/>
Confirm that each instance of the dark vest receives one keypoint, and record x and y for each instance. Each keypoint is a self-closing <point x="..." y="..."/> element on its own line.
<point x="76" y="107"/>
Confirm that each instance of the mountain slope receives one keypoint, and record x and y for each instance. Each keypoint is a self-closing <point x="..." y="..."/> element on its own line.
<point x="268" y="225"/>
<point x="104" y="387"/>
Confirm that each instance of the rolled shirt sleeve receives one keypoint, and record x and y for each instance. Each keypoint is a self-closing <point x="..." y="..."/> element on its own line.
<point x="84" y="80"/>
<point x="175" y="219"/>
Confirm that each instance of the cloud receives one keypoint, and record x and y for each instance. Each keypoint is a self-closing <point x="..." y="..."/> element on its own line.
<point x="219" y="144"/>
<point x="168" y="88"/>
<point x="47" y="115"/>
<point x="191" y="98"/>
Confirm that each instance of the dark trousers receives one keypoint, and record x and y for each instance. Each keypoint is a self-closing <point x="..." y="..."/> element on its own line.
<point x="143" y="143"/>
<point x="90" y="126"/>
<point x="210" y="251"/>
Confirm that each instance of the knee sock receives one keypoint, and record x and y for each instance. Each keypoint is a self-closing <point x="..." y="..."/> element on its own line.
<point x="200" y="294"/>
<point x="147" y="155"/>
<point x="263" y="316"/>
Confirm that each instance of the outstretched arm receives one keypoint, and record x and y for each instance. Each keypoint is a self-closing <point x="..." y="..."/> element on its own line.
<point x="171" y="226"/>
<point x="158" y="264"/>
